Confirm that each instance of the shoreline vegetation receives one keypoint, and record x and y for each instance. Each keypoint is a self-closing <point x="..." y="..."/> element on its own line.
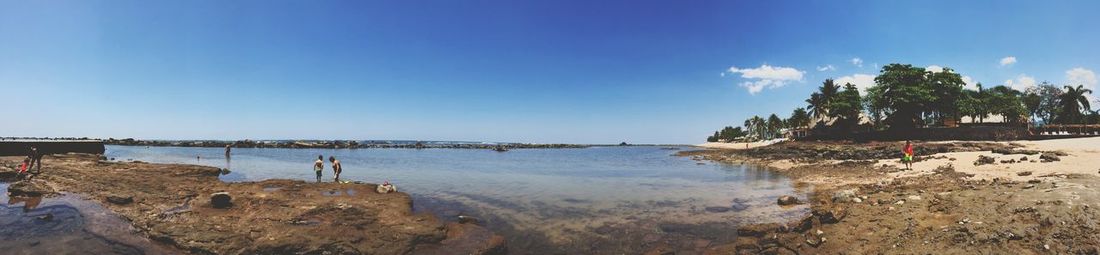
<point x="915" y="103"/>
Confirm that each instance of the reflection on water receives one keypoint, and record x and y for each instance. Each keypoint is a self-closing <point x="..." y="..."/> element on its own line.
<point x="66" y="225"/>
<point x="538" y="197"/>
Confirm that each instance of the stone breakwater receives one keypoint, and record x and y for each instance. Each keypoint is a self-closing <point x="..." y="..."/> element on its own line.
<point x="337" y="144"/>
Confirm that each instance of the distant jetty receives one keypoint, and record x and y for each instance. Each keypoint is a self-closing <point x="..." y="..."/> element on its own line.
<point x="22" y="146"/>
<point x="338" y="144"/>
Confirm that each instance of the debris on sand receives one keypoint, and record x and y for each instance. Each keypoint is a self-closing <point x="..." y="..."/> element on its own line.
<point x="984" y="160"/>
<point x="1024" y="173"/>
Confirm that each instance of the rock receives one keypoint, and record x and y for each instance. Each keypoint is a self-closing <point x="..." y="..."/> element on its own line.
<point x="900" y="202"/>
<point x="754" y="230"/>
<point x="914" y="197"/>
<point x="1034" y="181"/>
<point x="1029" y="186"/>
<point x="120" y="200"/>
<point x="787" y="200"/>
<point x="1023" y="159"/>
<point x="829" y="216"/>
<point x="30" y="188"/>
<point x="857" y="200"/>
<point x="1049" y="157"/>
<point x="221" y="200"/>
<point x="463" y="219"/>
<point x="844" y="195"/>
<point x="717" y="209"/>
<point x="738" y="206"/>
<point x="386" y="188"/>
<point x="984" y="160"/>
<point x="805" y="224"/>
<point x="1024" y="173"/>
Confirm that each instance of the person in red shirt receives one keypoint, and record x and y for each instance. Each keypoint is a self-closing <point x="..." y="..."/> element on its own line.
<point x="908" y="157"/>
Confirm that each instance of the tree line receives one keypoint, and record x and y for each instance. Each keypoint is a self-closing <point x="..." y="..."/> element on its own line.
<point x="906" y="97"/>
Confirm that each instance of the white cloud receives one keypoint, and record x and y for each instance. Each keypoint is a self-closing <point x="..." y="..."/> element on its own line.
<point x="1082" y="76"/>
<point x="826" y="68"/>
<point x="862" y="81"/>
<point x="934" y="68"/>
<point x="766" y="76"/>
<point x="1008" y="60"/>
<point x="1021" y="83"/>
<point x="857" y="62"/>
<point x="970" y="83"/>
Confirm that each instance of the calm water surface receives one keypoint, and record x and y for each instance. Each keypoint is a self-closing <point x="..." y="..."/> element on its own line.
<point x="560" y="196"/>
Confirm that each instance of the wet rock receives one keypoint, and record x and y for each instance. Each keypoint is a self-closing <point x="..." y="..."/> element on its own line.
<point x="221" y="200"/>
<point x="787" y="200"/>
<point x="755" y="230"/>
<point x="30" y="188"/>
<point x="1024" y="173"/>
<point x="120" y="200"/>
<point x="463" y="219"/>
<point x="717" y="209"/>
<point x="1023" y="159"/>
<point x="738" y="206"/>
<point x="984" y="160"/>
<point x="1034" y="181"/>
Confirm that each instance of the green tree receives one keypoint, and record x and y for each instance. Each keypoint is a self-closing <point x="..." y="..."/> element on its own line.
<point x="820" y="102"/>
<point x="799" y="118"/>
<point x="1073" y="103"/>
<point x="775" y="124"/>
<point x="1049" y="101"/>
<point x="1007" y="102"/>
<point x="904" y="93"/>
<point x="875" y="108"/>
<point x="947" y="88"/>
<point x="846" y="107"/>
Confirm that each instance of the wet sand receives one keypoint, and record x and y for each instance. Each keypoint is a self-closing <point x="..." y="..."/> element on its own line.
<point x="949" y="203"/>
<point x="171" y="204"/>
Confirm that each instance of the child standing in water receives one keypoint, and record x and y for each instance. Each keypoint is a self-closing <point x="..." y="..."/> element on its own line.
<point x="336" y="167"/>
<point x="318" y="166"/>
<point x="908" y="157"/>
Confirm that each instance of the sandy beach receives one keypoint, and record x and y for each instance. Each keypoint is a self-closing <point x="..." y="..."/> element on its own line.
<point x="1034" y="197"/>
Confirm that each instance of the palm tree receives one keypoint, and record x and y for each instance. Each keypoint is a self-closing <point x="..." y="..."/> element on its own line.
<point x="1072" y="102"/>
<point x="821" y="101"/>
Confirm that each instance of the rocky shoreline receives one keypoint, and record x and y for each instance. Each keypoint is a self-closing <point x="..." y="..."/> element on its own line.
<point x="952" y="202"/>
<point x="183" y="206"/>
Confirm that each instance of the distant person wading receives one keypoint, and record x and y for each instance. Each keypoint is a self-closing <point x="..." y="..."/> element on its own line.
<point x="336" y="168"/>
<point x="318" y="166"/>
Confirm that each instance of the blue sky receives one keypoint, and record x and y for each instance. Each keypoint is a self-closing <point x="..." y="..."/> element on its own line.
<point x="522" y="71"/>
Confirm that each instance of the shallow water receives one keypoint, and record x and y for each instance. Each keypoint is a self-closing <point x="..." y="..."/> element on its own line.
<point x="67" y="224"/>
<point x="557" y="196"/>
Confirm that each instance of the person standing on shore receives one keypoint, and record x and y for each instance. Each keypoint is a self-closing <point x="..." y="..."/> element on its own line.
<point x="336" y="167"/>
<point x="227" y="148"/>
<point x="36" y="160"/>
<point x="908" y="157"/>
<point x="318" y="166"/>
